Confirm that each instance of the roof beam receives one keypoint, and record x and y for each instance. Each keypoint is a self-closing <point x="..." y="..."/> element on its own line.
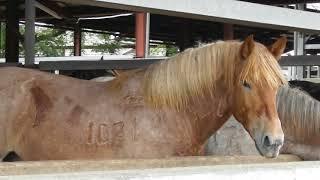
<point x="234" y="12"/>
<point x="282" y="2"/>
<point x="53" y="9"/>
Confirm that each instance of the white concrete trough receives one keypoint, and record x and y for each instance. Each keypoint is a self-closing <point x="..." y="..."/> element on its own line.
<point x="208" y="167"/>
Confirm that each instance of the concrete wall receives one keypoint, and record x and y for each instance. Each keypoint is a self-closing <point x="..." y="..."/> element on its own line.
<point x="168" y="168"/>
<point x="283" y="171"/>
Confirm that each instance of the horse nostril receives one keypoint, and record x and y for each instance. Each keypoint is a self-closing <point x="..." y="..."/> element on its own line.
<point x="266" y="141"/>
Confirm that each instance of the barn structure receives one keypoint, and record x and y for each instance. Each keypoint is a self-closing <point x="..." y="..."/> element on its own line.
<point x="180" y="23"/>
<point x="175" y="22"/>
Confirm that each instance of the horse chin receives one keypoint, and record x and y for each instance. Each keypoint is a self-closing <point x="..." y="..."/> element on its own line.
<point x="269" y="152"/>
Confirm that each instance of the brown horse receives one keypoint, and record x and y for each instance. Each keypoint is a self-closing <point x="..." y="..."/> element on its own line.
<point x="170" y="108"/>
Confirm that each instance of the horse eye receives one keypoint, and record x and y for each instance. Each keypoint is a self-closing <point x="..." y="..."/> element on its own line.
<point x="246" y="85"/>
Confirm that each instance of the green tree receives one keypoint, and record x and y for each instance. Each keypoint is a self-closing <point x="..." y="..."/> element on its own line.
<point x="107" y="43"/>
<point x="171" y="50"/>
<point x="164" y="50"/>
<point x="51" y="42"/>
<point x="2" y="39"/>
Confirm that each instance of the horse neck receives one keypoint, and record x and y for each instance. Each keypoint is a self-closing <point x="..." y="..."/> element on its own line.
<point x="195" y="72"/>
<point x="205" y="113"/>
<point x="208" y="114"/>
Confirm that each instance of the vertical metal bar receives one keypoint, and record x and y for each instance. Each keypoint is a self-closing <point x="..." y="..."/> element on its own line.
<point x="308" y="69"/>
<point x="299" y="45"/>
<point x="299" y="50"/>
<point x="147" y="35"/>
<point x="12" y="31"/>
<point x="140" y="34"/>
<point x="77" y="40"/>
<point x="293" y="72"/>
<point x="29" y="36"/>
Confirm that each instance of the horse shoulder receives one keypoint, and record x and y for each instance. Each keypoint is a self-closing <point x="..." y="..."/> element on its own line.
<point x="40" y="98"/>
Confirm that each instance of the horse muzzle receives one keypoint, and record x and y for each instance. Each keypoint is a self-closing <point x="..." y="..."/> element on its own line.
<point x="270" y="146"/>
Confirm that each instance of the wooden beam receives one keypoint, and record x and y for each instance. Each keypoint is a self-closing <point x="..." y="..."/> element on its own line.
<point x="47" y="10"/>
<point x="55" y="8"/>
<point x="12" y="31"/>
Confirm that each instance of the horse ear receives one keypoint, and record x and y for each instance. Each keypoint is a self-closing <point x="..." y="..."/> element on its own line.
<point x="278" y="47"/>
<point x="247" y="47"/>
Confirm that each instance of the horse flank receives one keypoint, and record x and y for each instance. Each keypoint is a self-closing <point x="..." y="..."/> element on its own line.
<point x="195" y="73"/>
<point x="298" y="112"/>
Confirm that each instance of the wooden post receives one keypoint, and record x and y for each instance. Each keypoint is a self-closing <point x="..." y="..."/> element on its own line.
<point x="228" y="33"/>
<point x="140" y="35"/>
<point x="77" y="40"/>
<point x="29" y="35"/>
<point x="12" y="31"/>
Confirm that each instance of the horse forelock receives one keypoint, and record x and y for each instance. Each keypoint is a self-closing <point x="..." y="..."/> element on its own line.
<point x="299" y="113"/>
<point x="197" y="72"/>
<point x="262" y="69"/>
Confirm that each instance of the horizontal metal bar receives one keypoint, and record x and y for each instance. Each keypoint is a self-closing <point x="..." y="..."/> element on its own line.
<point x="10" y="64"/>
<point x="234" y="12"/>
<point x="133" y="64"/>
<point x="92" y="65"/>
<point x="312" y="46"/>
<point x="300" y="61"/>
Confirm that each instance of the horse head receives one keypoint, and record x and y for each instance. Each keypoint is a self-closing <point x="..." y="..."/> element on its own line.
<point x="258" y="77"/>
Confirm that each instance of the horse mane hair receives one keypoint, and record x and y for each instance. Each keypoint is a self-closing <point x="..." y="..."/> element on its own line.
<point x="299" y="113"/>
<point x="196" y="72"/>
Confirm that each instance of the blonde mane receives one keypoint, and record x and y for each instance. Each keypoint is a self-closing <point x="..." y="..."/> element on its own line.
<point x="196" y="73"/>
<point x="299" y="113"/>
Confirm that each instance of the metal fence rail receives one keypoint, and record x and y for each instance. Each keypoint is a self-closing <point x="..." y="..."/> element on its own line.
<point x="131" y="63"/>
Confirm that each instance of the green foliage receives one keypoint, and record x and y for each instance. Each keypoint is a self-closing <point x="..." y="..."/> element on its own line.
<point x="171" y="50"/>
<point x="107" y="43"/>
<point x="159" y="50"/>
<point x="164" y="50"/>
<point x="51" y="42"/>
<point x="55" y="42"/>
<point x="2" y="39"/>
